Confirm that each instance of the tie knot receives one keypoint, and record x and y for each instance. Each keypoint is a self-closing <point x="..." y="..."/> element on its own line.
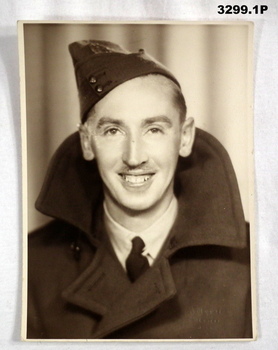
<point x="137" y="245"/>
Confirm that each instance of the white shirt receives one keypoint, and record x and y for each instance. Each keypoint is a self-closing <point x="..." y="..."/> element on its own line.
<point x="153" y="237"/>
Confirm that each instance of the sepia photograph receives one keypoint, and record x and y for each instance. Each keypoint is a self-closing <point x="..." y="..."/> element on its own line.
<point x="138" y="189"/>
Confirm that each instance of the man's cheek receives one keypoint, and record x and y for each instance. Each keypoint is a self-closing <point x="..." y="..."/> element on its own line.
<point x="164" y="153"/>
<point x="106" y="156"/>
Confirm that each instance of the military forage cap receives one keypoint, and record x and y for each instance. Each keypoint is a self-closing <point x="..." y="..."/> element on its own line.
<point x="100" y="66"/>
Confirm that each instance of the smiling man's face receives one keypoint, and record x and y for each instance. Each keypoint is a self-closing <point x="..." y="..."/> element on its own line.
<point x="136" y="136"/>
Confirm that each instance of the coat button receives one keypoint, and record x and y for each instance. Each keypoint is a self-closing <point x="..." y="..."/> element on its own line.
<point x="141" y="51"/>
<point x="99" y="88"/>
<point x="173" y="243"/>
<point x="76" y="250"/>
<point x="93" y="80"/>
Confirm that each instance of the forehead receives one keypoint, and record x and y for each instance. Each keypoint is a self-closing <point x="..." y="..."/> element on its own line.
<point x="137" y="98"/>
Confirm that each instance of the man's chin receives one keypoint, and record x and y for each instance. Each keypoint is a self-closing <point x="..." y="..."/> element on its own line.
<point x="134" y="205"/>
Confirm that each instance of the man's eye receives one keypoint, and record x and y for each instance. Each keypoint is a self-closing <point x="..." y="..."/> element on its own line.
<point x="155" y="131"/>
<point x="111" y="131"/>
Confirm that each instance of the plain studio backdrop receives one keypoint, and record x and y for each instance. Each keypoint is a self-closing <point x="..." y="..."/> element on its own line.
<point x="211" y="62"/>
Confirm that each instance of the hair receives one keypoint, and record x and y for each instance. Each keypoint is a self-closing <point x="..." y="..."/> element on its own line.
<point x="177" y="95"/>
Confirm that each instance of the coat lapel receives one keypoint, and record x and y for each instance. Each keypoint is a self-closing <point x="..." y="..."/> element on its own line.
<point x="104" y="289"/>
<point x="97" y="287"/>
<point x="147" y="293"/>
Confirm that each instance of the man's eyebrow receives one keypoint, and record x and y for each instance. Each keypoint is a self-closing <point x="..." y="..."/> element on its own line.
<point x="108" y="120"/>
<point x="158" y="119"/>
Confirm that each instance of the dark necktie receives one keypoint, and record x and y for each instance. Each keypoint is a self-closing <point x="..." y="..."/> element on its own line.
<point x="136" y="263"/>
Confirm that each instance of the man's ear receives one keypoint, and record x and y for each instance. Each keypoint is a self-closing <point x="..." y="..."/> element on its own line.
<point x="85" y="139"/>
<point x="187" y="137"/>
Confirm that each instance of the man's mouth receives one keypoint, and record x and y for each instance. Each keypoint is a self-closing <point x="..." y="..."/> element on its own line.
<point x="136" y="179"/>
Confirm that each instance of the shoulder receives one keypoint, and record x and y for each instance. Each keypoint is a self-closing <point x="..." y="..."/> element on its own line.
<point x="50" y="245"/>
<point x="53" y="246"/>
<point x="54" y="233"/>
<point x="52" y="238"/>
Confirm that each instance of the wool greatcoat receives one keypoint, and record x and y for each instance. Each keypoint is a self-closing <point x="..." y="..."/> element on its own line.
<point x="199" y="286"/>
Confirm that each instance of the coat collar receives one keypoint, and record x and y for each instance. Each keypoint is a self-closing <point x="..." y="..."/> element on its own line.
<point x="210" y="210"/>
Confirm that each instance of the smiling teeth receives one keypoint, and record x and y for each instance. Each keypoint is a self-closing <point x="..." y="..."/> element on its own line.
<point x="135" y="179"/>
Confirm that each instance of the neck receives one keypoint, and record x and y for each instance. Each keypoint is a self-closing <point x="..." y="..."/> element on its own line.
<point x="137" y="220"/>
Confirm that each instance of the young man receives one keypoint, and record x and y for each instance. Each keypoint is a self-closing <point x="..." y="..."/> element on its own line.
<point x="149" y="239"/>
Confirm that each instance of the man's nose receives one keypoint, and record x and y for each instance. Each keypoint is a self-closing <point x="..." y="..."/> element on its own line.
<point x="134" y="152"/>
